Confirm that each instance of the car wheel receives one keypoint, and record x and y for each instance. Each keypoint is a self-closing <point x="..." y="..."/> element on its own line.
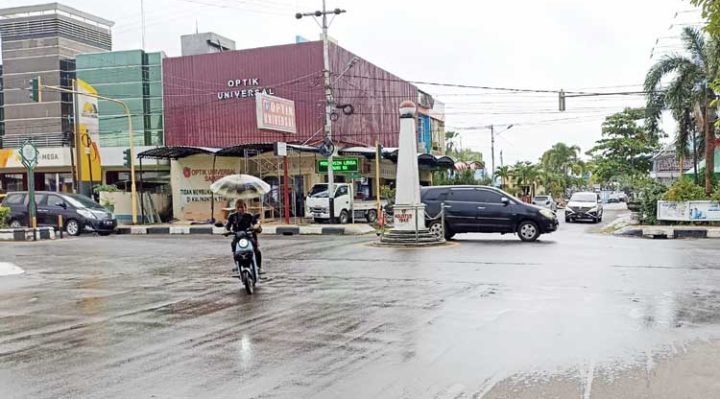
<point x="567" y="220"/>
<point x="72" y="227"/>
<point x="344" y="217"/>
<point x="436" y="228"/>
<point x="371" y="216"/>
<point x="528" y="231"/>
<point x="15" y="224"/>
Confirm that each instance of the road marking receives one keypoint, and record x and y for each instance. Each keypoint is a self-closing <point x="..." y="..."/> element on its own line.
<point x="9" y="269"/>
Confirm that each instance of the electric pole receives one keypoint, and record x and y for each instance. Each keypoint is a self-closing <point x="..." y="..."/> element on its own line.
<point x="329" y="101"/>
<point x="492" y="152"/>
<point x="492" y="148"/>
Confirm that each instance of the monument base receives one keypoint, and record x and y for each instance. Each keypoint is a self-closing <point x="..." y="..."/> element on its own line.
<point x="409" y="228"/>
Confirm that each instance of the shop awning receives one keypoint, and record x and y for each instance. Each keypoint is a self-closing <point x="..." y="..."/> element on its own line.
<point x="175" y="152"/>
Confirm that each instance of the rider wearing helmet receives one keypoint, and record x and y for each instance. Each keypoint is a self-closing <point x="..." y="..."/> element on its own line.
<point x="240" y="220"/>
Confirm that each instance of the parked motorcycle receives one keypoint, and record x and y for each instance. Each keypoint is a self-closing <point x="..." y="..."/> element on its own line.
<point x="244" y="257"/>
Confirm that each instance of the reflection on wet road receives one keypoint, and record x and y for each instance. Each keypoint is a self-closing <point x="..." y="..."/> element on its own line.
<point x="576" y="315"/>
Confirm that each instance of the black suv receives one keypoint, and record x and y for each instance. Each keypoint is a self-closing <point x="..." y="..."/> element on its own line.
<point x="482" y="209"/>
<point x="78" y="212"/>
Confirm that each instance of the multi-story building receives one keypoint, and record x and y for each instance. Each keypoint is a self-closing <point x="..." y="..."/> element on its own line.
<point x="42" y="41"/>
<point x="134" y="77"/>
<point x="205" y="43"/>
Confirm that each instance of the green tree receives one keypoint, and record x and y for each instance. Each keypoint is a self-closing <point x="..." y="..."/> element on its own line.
<point x="526" y="175"/>
<point x="503" y="172"/>
<point x="690" y="88"/>
<point x="711" y="12"/>
<point x="626" y="147"/>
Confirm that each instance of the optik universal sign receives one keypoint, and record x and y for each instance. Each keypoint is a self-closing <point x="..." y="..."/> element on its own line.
<point x="243" y="88"/>
<point x="275" y="113"/>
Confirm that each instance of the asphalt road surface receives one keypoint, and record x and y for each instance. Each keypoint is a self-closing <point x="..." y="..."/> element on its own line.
<point x="576" y="315"/>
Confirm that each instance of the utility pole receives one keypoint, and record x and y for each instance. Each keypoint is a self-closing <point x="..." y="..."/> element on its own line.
<point x="492" y="152"/>
<point x="329" y="101"/>
<point x="492" y="148"/>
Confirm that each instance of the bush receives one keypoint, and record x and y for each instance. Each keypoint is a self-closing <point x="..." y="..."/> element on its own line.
<point x="684" y="190"/>
<point x="715" y="196"/>
<point x="649" y="196"/>
<point x="105" y="187"/>
<point x="4" y="213"/>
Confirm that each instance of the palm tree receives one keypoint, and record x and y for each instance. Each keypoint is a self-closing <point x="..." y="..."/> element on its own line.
<point x="560" y="157"/>
<point x="690" y="88"/>
<point x="503" y="172"/>
<point x="526" y="174"/>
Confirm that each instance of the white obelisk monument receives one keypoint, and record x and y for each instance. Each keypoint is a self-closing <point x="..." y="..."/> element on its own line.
<point x="409" y="212"/>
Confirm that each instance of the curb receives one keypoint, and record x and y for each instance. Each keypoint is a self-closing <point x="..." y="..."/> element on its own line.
<point x="661" y="232"/>
<point x="212" y="230"/>
<point x="42" y="233"/>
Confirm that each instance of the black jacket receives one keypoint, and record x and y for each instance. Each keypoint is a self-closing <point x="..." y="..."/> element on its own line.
<point x="240" y="222"/>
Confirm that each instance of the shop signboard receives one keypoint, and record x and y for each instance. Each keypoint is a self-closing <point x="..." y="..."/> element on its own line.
<point x="275" y="113"/>
<point x="47" y="157"/>
<point x="89" y="126"/>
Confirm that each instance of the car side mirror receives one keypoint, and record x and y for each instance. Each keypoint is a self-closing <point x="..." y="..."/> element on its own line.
<point x="505" y="201"/>
<point x="63" y="205"/>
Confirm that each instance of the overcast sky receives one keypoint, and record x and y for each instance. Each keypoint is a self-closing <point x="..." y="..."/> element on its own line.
<point x="531" y="44"/>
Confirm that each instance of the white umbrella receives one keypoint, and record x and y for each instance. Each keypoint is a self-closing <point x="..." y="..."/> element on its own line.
<point x="240" y="187"/>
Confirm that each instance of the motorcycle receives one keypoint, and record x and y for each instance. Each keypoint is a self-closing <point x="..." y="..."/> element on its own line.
<point x="244" y="257"/>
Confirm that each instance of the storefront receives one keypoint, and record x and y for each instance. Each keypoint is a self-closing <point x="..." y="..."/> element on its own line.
<point x="193" y="169"/>
<point x="52" y="172"/>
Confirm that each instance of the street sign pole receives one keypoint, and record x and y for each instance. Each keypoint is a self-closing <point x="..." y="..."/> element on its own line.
<point x="29" y="155"/>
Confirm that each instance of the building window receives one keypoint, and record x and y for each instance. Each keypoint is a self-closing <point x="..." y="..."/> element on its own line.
<point x="13" y="182"/>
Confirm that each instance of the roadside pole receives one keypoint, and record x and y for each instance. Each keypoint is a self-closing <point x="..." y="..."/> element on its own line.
<point x="28" y="156"/>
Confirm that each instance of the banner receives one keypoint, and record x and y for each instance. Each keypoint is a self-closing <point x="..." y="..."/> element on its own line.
<point x="691" y="211"/>
<point x="89" y="133"/>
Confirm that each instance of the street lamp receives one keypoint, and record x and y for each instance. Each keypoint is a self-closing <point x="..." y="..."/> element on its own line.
<point x="492" y="147"/>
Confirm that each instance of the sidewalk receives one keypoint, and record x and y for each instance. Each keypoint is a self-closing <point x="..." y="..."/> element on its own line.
<point x="315" y="229"/>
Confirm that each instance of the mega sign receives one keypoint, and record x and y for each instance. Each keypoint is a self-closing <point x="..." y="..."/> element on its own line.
<point x="341" y="165"/>
<point x="275" y="113"/>
<point x="243" y="88"/>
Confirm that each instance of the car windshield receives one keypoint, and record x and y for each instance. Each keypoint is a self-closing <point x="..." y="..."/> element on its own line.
<point x="80" y="201"/>
<point x="319" y="191"/>
<point x="583" y="197"/>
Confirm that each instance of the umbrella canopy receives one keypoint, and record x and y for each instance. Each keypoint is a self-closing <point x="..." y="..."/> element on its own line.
<point x="240" y="187"/>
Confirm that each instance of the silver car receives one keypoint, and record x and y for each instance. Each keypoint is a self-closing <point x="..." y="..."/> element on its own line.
<point x="545" y="201"/>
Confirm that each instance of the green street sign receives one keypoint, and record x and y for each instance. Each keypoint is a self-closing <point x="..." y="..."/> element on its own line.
<point x="340" y="165"/>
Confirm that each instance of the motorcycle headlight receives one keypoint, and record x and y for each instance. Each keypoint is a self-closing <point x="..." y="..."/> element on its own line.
<point x="86" y="213"/>
<point x="243" y="243"/>
<point x="547" y="213"/>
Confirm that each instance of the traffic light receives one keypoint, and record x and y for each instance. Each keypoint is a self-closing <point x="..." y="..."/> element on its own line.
<point x="127" y="159"/>
<point x="35" y="89"/>
<point x="561" y="100"/>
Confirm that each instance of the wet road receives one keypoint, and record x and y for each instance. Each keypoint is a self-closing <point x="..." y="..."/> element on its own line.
<point x="576" y="315"/>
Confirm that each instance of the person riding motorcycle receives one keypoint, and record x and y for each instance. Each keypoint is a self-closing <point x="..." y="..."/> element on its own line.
<point x="242" y="221"/>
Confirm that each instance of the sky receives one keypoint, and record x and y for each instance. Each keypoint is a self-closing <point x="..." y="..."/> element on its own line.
<point x="575" y="45"/>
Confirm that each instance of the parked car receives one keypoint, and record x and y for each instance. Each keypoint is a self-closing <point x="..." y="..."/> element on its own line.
<point x="79" y="213"/>
<point x="545" y="201"/>
<point x="584" y="205"/>
<point x="483" y="209"/>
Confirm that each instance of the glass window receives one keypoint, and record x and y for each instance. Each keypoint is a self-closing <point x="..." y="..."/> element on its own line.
<point x="14" y="182"/>
<point x="584" y="197"/>
<point x="490" y="197"/>
<point x="41" y="199"/>
<point x="14" y="199"/>
<point x="54" y="200"/>
<point x="342" y="190"/>
<point x="464" y="194"/>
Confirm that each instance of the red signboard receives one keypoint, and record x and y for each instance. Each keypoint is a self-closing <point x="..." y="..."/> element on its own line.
<point x="275" y="113"/>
